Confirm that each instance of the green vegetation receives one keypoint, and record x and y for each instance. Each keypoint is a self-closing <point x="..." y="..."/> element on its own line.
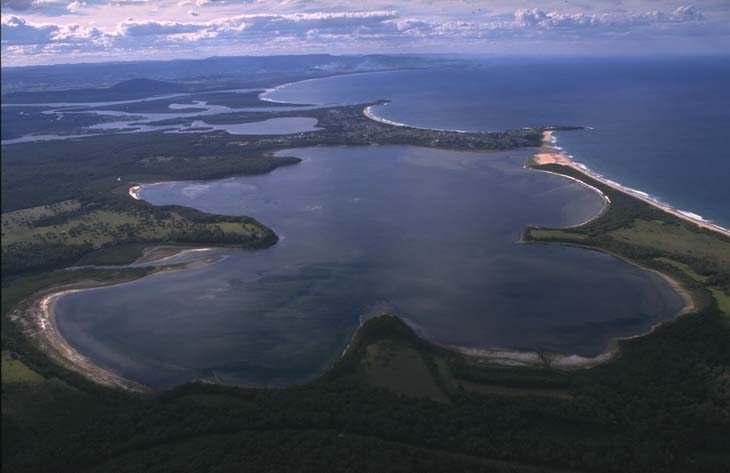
<point x="545" y="234"/>
<point x="16" y="372"/>
<point x="685" y="268"/>
<point x="662" y="406"/>
<point x="696" y="257"/>
<point x="675" y="239"/>
<point x="401" y="369"/>
<point x="723" y="300"/>
<point x="53" y="236"/>
<point x="86" y="170"/>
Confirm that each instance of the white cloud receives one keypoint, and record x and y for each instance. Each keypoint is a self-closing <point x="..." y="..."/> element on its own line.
<point x="17" y="31"/>
<point x="153" y="28"/>
<point x="73" y="7"/>
<point x="386" y="30"/>
<point x="539" y="19"/>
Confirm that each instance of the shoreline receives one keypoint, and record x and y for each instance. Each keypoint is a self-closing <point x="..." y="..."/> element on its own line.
<point x="36" y="319"/>
<point x="134" y="191"/>
<point x="42" y="317"/>
<point x="368" y="112"/>
<point x="550" y="154"/>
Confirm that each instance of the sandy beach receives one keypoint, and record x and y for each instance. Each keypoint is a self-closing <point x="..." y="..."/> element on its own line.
<point x="137" y="188"/>
<point x="562" y="361"/>
<point x="549" y="154"/>
<point x="368" y="112"/>
<point x="36" y="319"/>
<point x="134" y="192"/>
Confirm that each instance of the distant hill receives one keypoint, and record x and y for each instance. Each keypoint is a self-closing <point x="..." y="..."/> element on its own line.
<point x="125" y="90"/>
<point x="206" y="74"/>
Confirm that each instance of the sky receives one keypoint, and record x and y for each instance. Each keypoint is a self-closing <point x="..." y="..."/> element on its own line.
<point x="63" y="31"/>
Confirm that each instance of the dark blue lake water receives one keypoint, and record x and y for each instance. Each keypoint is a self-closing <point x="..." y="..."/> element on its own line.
<point x="660" y="126"/>
<point x="429" y="235"/>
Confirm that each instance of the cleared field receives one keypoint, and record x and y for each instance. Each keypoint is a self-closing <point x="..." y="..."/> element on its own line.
<point x="685" y="268"/>
<point x="548" y="234"/>
<point x="723" y="300"/>
<point x="52" y="236"/>
<point x="675" y="239"/>
<point x="16" y="372"/>
<point x="68" y="224"/>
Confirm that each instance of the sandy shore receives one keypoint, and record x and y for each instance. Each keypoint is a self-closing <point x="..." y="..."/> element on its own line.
<point x="368" y="112"/>
<point x="36" y="319"/>
<point x="134" y="192"/>
<point x="137" y="188"/>
<point x="533" y="358"/>
<point x="549" y="154"/>
<point x="562" y="361"/>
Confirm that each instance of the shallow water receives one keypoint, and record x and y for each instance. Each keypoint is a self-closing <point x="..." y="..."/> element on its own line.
<point x="429" y="235"/>
<point x="272" y="126"/>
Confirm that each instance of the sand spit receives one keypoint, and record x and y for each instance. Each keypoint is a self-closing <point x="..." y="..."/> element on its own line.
<point x="551" y="154"/>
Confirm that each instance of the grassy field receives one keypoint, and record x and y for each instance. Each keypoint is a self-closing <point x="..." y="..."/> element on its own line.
<point x="547" y="234"/>
<point x="675" y="239"/>
<point x="685" y="268"/>
<point x="723" y="300"/>
<point x="15" y="371"/>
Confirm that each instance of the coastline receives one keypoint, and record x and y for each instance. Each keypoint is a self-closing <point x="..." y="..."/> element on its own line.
<point x="368" y="113"/>
<point x="37" y="321"/>
<point x="134" y="192"/>
<point x="36" y="318"/>
<point x="550" y="154"/>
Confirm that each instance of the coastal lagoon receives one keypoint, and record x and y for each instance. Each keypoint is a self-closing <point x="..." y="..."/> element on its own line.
<point x="429" y="235"/>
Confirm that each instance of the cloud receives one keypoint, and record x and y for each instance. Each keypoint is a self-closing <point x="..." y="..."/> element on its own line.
<point x="687" y="13"/>
<point x="384" y="30"/>
<point x="152" y="28"/>
<point x="553" y="20"/>
<point x="16" y="31"/>
<point x="73" y="7"/>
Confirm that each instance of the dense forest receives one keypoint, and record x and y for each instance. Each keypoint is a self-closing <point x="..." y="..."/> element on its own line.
<point x="662" y="406"/>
